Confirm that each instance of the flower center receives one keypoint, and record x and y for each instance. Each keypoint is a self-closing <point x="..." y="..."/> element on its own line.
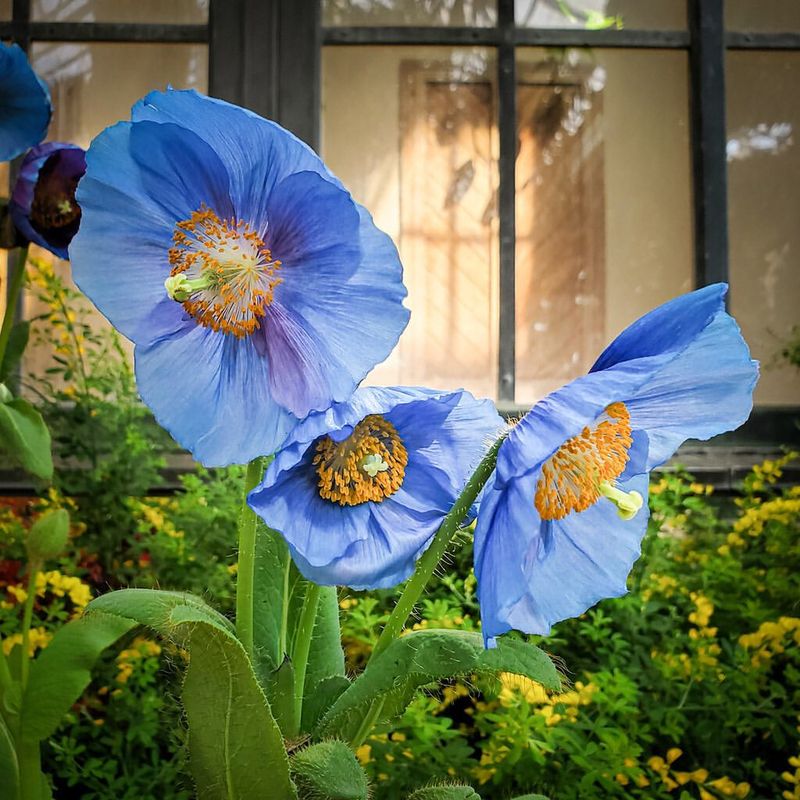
<point x="369" y="465"/>
<point x="585" y="467"/>
<point x="222" y="272"/>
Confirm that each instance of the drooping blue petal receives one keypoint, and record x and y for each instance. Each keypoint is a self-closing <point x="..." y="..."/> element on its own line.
<point x="671" y="327"/>
<point x="375" y="544"/>
<point x="555" y="569"/>
<point x="119" y="255"/>
<point x="24" y="104"/>
<point x="705" y="391"/>
<point x="48" y="175"/>
<point x="212" y="394"/>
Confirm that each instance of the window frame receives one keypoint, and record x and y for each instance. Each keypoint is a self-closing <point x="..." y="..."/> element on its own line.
<point x="260" y="51"/>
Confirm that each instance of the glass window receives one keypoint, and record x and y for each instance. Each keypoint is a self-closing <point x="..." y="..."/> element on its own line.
<point x="604" y="226"/>
<point x="5" y="9"/>
<point x="762" y="16"/>
<point x="656" y="14"/>
<point x="411" y="131"/>
<point x="95" y="85"/>
<point x="764" y="196"/>
<point x="152" y="11"/>
<point x="404" y="12"/>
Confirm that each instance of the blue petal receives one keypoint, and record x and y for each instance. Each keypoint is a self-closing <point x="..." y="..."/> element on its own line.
<point x="24" y="104"/>
<point x="706" y="390"/>
<point x="119" y="255"/>
<point x="669" y="328"/>
<point x="357" y="295"/>
<point x="211" y="392"/>
<point x="258" y="153"/>
<point x="445" y="436"/>
<point x="534" y="573"/>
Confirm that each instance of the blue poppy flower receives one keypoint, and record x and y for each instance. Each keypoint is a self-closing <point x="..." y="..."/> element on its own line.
<point x="359" y="491"/>
<point x="563" y="516"/>
<point x="24" y="104"/>
<point x="43" y="206"/>
<point x="254" y="288"/>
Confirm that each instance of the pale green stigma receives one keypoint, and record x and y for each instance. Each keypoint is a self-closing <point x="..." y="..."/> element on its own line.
<point x="64" y="206"/>
<point x="627" y="503"/>
<point x="181" y="288"/>
<point x="373" y="464"/>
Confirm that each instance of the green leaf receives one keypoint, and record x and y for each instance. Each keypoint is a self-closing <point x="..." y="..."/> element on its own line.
<point x="156" y="609"/>
<point x="320" y="697"/>
<point x="48" y="536"/>
<point x="326" y="657"/>
<point x="279" y="689"/>
<point x="25" y="438"/>
<point x="62" y="671"/>
<point x="329" y="771"/>
<point x="235" y="745"/>
<point x="15" y="347"/>
<point x="531" y="797"/>
<point x="424" y="657"/>
<point x="9" y="766"/>
<point x="236" y="751"/>
<point x="445" y="793"/>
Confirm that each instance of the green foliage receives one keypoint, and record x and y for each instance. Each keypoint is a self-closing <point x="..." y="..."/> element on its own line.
<point x="48" y="536"/>
<point x="328" y="771"/>
<point x="24" y="437"/>
<point x="235" y="745"/>
<point x="445" y="792"/>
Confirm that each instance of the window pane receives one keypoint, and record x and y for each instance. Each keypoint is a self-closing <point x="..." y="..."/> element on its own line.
<point x="411" y="132"/>
<point x="656" y="14"/>
<point x="764" y="195"/>
<point x="5" y="9"/>
<point x="764" y="16"/>
<point x="405" y="12"/>
<point x="174" y="11"/>
<point x="604" y="228"/>
<point x="93" y="86"/>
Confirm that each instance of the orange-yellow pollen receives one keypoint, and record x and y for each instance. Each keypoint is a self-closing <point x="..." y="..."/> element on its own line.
<point x="346" y="470"/>
<point x="229" y="269"/>
<point x="571" y="478"/>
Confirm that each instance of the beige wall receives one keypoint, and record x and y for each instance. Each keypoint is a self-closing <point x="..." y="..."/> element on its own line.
<point x="765" y="212"/>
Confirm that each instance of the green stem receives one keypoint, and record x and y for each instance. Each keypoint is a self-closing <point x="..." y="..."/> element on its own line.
<point x="33" y="571"/>
<point x="302" y="647"/>
<point x="30" y="771"/>
<point x="14" y="288"/>
<point x="431" y="557"/>
<point x="284" y="635"/>
<point x="247" y="558"/>
<point x="366" y="724"/>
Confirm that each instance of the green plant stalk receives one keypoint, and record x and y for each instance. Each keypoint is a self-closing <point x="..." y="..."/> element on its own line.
<point x="245" y="572"/>
<point x="33" y="571"/>
<point x="302" y="647"/>
<point x="30" y="771"/>
<point x="14" y="288"/>
<point x="366" y="725"/>
<point x="431" y="557"/>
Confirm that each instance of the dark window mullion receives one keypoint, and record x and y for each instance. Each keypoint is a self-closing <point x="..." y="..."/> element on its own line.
<point x="707" y="71"/>
<point x="507" y="124"/>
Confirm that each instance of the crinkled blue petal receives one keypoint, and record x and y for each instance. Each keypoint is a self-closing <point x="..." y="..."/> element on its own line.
<point x="533" y="573"/>
<point x="375" y="545"/>
<point x="212" y="394"/>
<point x="24" y="104"/>
<point x="671" y="327"/>
<point x="258" y="153"/>
<point x="119" y="255"/>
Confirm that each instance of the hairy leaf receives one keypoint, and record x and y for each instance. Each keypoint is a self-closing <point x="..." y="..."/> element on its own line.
<point x="9" y="766"/>
<point x="62" y="671"/>
<point x="15" y="347"/>
<point x="329" y="771"/>
<point x="388" y="684"/>
<point x="445" y="793"/>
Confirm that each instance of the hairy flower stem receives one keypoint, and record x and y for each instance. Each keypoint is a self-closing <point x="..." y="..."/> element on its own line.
<point x="247" y="558"/>
<point x="305" y="632"/>
<point x="14" y="288"/>
<point x="431" y="557"/>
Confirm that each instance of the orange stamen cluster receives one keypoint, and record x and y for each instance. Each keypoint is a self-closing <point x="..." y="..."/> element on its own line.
<point x="571" y="477"/>
<point x="339" y="465"/>
<point x="236" y="268"/>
